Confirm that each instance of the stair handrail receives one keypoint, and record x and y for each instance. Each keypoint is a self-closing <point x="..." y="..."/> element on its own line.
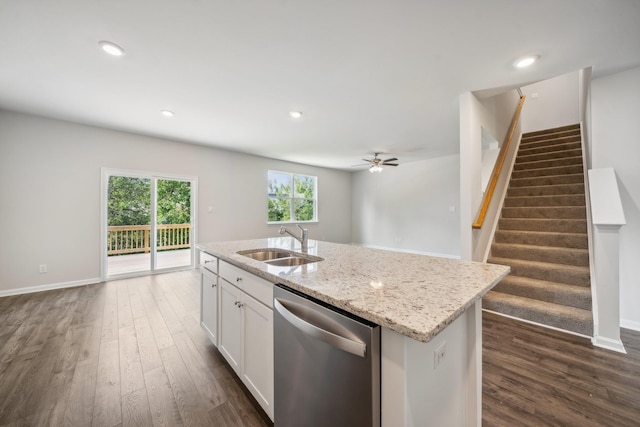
<point x="497" y="168"/>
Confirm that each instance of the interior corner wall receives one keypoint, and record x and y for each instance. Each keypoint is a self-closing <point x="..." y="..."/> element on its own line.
<point x="50" y="173"/>
<point x="615" y="108"/>
<point x="551" y="103"/>
<point x="408" y="207"/>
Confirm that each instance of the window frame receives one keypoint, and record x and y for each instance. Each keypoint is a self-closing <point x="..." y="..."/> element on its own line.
<point x="293" y="199"/>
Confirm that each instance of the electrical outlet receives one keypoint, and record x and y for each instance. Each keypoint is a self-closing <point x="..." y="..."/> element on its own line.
<point x="439" y="354"/>
<point x="43" y="268"/>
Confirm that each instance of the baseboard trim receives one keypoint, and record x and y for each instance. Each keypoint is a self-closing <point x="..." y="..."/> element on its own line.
<point x="40" y="288"/>
<point x="630" y="324"/>
<point x="539" y="324"/>
<point x="609" y="344"/>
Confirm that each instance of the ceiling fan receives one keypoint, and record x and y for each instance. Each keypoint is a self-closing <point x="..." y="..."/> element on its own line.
<point x="375" y="164"/>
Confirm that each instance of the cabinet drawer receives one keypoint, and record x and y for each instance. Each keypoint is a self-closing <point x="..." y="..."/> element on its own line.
<point x="260" y="289"/>
<point x="209" y="262"/>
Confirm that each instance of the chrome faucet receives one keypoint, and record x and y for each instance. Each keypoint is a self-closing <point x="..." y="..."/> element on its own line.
<point x="303" y="239"/>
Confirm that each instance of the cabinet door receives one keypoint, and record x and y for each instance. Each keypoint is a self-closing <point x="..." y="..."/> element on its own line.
<point x="209" y="305"/>
<point x="257" y="362"/>
<point x="229" y="339"/>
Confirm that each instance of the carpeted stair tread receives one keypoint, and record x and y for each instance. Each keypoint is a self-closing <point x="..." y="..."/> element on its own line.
<point x="557" y="293"/>
<point x="555" y="200"/>
<point x="546" y="190"/>
<point x="549" y="163"/>
<point x="549" y="148"/>
<point x="544" y="224"/>
<point x="548" y="140"/>
<point x="552" y="171"/>
<point x="558" y="316"/>
<point x="555" y="212"/>
<point x="577" y="178"/>
<point x="551" y="272"/>
<point x="550" y="254"/>
<point x="552" y="130"/>
<point x="527" y="138"/>
<point x="543" y="238"/>
<point x="549" y="155"/>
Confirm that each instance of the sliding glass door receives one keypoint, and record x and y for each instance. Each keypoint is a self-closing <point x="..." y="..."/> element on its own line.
<point x="148" y="223"/>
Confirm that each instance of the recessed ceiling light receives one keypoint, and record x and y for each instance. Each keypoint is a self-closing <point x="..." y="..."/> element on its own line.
<point x="167" y="113"/>
<point x="526" y="61"/>
<point x="111" y="48"/>
<point x="295" y="114"/>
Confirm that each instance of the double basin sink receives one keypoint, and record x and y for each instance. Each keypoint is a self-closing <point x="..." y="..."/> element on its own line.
<point x="280" y="257"/>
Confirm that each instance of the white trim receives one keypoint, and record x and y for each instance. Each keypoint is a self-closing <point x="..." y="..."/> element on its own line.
<point x="40" y="288"/>
<point x="630" y="324"/>
<point x="538" y="324"/>
<point x="609" y="344"/>
<point x="408" y="251"/>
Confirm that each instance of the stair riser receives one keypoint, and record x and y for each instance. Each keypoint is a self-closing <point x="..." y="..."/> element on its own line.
<point x="546" y="142"/>
<point x="552" y="131"/>
<point x="547" y="180"/>
<point x="572" y="296"/>
<point x="551" y="273"/>
<point x="559" y="240"/>
<point x="572" y="200"/>
<point x="549" y="149"/>
<point x="543" y="164"/>
<point x="577" y="257"/>
<point x="546" y="190"/>
<point x="551" y="155"/>
<point x="545" y="212"/>
<point x="561" y="170"/>
<point x="560" y="322"/>
<point x="555" y="135"/>
<point x="551" y="225"/>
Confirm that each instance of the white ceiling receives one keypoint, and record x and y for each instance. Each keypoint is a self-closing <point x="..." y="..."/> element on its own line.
<point x="369" y="75"/>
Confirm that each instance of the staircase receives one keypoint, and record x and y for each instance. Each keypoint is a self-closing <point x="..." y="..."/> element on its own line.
<point x="542" y="235"/>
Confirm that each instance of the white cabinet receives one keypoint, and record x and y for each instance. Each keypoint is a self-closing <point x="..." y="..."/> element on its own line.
<point x="209" y="304"/>
<point x="246" y="331"/>
<point x="257" y="354"/>
<point x="230" y="342"/>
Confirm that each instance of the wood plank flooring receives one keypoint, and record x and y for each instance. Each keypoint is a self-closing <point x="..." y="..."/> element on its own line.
<point x="123" y="353"/>
<point x="132" y="353"/>
<point x="534" y="376"/>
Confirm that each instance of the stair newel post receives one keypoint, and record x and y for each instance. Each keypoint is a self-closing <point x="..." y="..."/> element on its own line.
<point x="607" y="217"/>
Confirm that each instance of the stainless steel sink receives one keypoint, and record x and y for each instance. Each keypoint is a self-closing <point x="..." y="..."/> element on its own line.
<point x="280" y="257"/>
<point x="290" y="262"/>
<point x="265" y="254"/>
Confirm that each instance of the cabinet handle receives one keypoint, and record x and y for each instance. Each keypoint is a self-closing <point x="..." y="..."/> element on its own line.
<point x="240" y="305"/>
<point x="238" y="279"/>
<point x="213" y="285"/>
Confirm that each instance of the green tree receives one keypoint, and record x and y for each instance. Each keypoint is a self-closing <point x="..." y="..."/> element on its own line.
<point x="129" y="201"/>
<point x="174" y="202"/>
<point x="279" y="201"/>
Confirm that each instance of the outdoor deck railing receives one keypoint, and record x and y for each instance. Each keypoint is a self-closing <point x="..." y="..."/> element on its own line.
<point x="130" y="239"/>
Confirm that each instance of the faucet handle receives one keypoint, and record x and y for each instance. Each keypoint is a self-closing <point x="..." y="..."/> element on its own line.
<point x="300" y="227"/>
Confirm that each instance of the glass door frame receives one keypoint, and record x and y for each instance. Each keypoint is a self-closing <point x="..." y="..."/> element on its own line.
<point x="153" y="177"/>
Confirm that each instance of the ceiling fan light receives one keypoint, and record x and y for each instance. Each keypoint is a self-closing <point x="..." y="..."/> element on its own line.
<point x="375" y="168"/>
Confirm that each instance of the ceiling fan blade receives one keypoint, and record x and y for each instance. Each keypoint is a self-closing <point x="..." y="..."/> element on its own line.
<point x="363" y="164"/>
<point x="393" y="159"/>
<point x="367" y="160"/>
<point x="390" y="164"/>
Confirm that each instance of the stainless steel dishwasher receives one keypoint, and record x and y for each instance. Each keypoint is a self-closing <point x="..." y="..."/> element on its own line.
<point x="327" y="364"/>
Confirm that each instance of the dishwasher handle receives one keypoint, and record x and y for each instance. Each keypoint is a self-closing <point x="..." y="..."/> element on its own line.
<point x="334" y="340"/>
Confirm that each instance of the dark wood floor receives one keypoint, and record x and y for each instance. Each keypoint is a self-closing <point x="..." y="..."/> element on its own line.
<point x="534" y="376"/>
<point x="131" y="352"/>
<point x="124" y="353"/>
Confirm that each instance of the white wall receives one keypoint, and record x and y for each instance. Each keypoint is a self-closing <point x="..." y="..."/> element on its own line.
<point x="408" y="207"/>
<point x="615" y="109"/>
<point x="557" y="103"/>
<point x="50" y="194"/>
<point x="494" y="115"/>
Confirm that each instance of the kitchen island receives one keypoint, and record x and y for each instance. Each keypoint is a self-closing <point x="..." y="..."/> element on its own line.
<point x="429" y="309"/>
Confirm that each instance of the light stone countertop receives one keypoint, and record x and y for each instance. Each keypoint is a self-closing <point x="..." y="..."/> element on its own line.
<point x="414" y="295"/>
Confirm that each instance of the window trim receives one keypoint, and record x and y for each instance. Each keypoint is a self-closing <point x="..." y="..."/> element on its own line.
<point x="292" y="198"/>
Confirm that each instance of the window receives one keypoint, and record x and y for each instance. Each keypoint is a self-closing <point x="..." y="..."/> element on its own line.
<point x="292" y="198"/>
